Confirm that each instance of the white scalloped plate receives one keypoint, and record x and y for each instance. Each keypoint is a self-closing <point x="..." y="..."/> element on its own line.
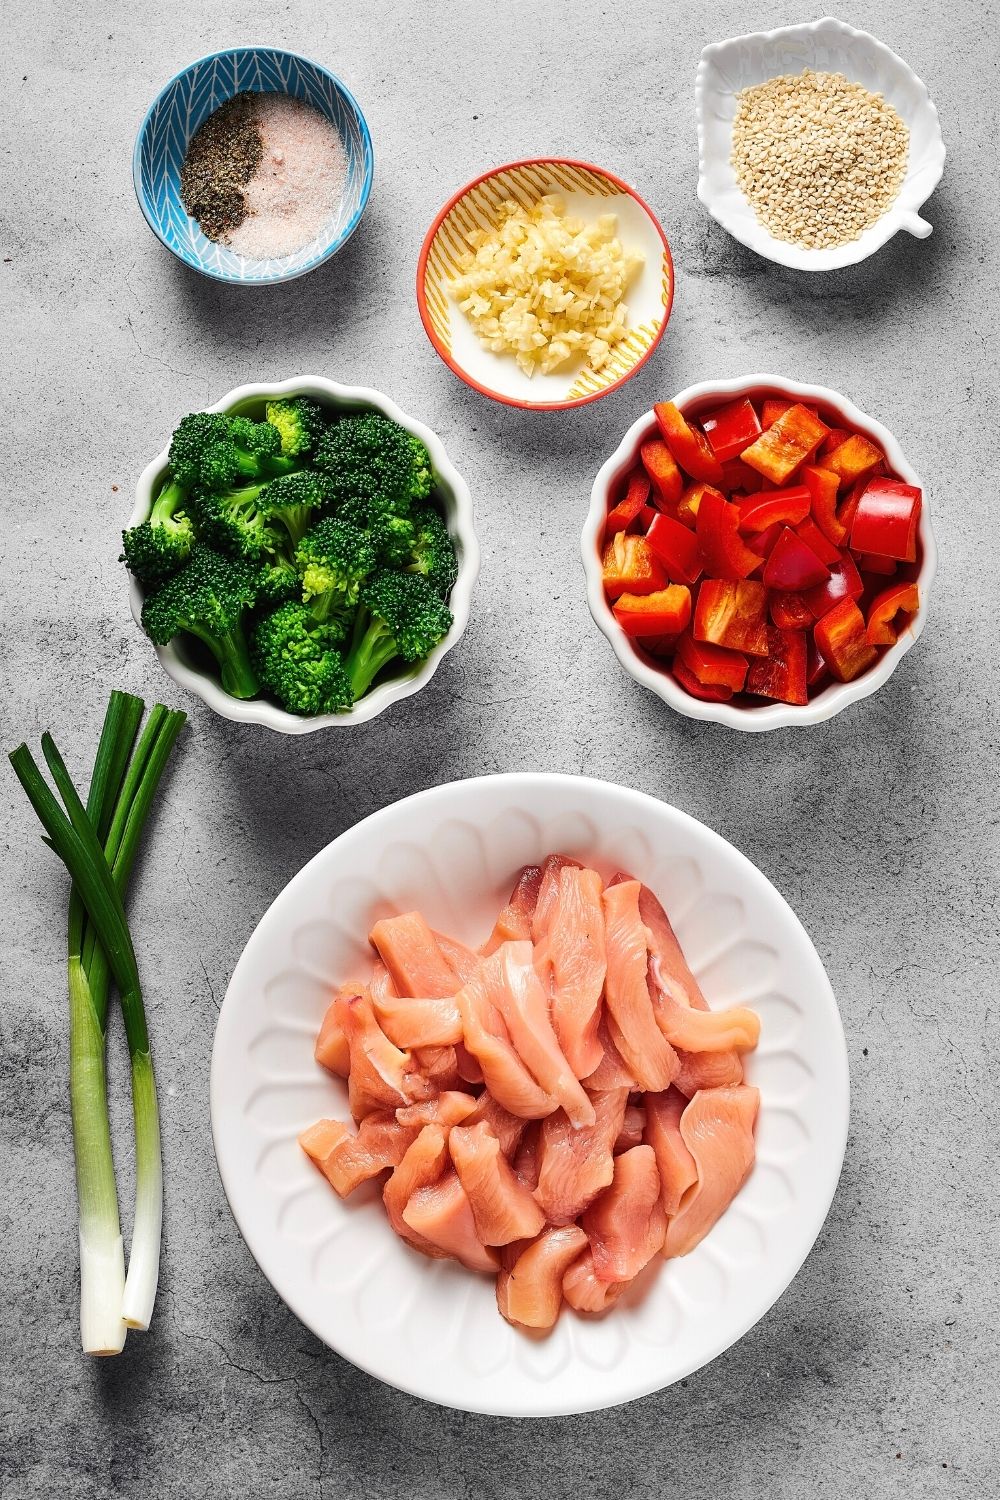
<point x="430" y="1327"/>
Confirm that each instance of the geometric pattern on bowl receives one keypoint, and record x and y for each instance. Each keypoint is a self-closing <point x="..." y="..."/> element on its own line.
<point x="187" y="101"/>
<point x="430" y="1327"/>
<point x="828" y="46"/>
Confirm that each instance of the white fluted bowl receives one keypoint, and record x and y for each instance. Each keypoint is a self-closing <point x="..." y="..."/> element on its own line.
<point x="828" y="46"/>
<point x="456" y="502"/>
<point x="430" y="1327"/>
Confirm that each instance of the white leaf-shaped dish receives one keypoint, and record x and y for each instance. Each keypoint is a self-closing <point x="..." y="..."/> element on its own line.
<point x="826" y="46"/>
<point x="432" y="1328"/>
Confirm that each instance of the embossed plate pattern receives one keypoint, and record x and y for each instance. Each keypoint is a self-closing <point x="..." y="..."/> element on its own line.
<point x="432" y="1328"/>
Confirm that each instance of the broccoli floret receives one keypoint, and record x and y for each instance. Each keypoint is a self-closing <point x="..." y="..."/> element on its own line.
<point x="333" y="558"/>
<point x="298" y="661"/>
<point x="401" y="615"/>
<point x="277" y="581"/>
<point x="394" y="538"/>
<point x="371" y="458"/>
<point x="247" y="450"/>
<point x="299" y="423"/>
<point x="291" y="500"/>
<point x="158" y="547"/>
<point x="193" y="434"/>
<point x="433" y="553"/>
<point x="207" y="598"/>
<point x="236" y="521"/>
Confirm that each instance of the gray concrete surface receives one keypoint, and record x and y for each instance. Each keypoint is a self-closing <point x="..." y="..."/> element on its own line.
<point x="876" y="1374"/>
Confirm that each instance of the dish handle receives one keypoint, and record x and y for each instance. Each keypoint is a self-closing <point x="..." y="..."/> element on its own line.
<point x="915" y="225"/>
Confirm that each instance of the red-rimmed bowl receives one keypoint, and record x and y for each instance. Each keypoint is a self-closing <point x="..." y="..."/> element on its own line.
<point x="742" y="712"/>
<point x="587" y="191"/>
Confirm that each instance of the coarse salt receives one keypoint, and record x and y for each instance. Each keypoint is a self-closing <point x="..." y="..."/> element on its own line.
<point x="297" y="187"/>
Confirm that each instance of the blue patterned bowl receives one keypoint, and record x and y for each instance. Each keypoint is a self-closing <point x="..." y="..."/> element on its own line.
<point x="195" y="93"/>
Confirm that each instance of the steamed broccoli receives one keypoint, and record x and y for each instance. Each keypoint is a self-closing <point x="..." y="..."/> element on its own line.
<point x="236" y="521"/>
<point x="291" y="500"/>
<point x="299" y="422"/>
<point x="333" y="558"/>
<point x="192" y="435"/>
<point x="277" y="580"/>
<point x="207" y="598"/>
<point x="247" y="450"/>
<point x="400" y="615"/>
<point x="158" y="547"/>
<point x="433" y="552"/>
<point x="298" y="661"/>
<point x="371" y="458"/>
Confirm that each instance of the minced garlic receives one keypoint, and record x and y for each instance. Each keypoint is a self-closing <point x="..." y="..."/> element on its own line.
<point x="546" y="287"/>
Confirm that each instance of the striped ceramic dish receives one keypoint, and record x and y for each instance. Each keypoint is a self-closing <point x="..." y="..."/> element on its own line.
<point x="587" y="191"/>
<point x="195" y="93"/>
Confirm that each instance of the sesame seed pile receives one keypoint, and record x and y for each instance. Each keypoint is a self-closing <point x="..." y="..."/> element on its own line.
<point x="818" y="157"/>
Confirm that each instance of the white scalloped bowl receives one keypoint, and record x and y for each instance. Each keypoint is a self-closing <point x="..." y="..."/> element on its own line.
<point x="694" y="401"/>
<point x="450" y="489"/>
<point x="430" y="1327"/>
<point x="826" y="46"/>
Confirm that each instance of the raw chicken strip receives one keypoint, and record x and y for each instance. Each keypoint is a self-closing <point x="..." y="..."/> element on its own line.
<point x="612" y="1072"/>
<point x="442" y="1214"/>
<point x="419" y="1023"/>
<point x="575" y="1165"/>
<point x="347" y="1160"/>
<point x="717" y="1128"/>
<point x="736" y="1029"/>
<point x="449" y="1108"/>
<point x="522" y="1003"/>
<point x="486" y="1035"/>
<point x="514" y="920"/>
<point x="381" y="1076"/>
<point x="530" y="1293"/>
<point x="439" y="1066"/>
<point x="458" y="957"/>
<point x="584" y="1292"/>
<point x="381" y="986"/>
<point x="506" y="1127"/>
<point x="407" y="947"/>
<point x="525" y="1162"/>
<point x="548" y="892"/>
<point x="626" y="1225"/>
<point x="502" y="1206"/>
<point x="468" y="1066"/>
<point x="674" y="1162"/>
<point x="707" y="1070"/>
<point x="572" y="961"/>
<point x="425" y="1160"/>
<point x="632" y="1127"/>
<point x="631" y="1021"/>
<point x="331" y="1049"/>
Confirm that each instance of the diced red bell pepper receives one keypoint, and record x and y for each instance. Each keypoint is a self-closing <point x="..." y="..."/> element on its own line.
<point x="790" y="611"/>
<point x="778" y="452"/>
<point x="844" y="582"/>
<point x="758" y="512"/>
<point x="632" y="501"/>
<point x="630" y="567"/>
<point x="687" y="505"/>
<point x="848" y="506"/>
<point x="713" y="666"/>
<point x="762" y="542"/>
<point x="870" y="562"/>
<point x="843" y="643"/>
<point x="773" y="407"/>
<point x="677" y="548"/>
<point x="726" y="554"/>
<point x="817" y="674"/>
<point x="659" y="645"/>
<point x="833" y="439"/>
<point x="665" y="476"/>
<point x="890" y="613"/>
<point x="644" y="519"/>
<point x="782" y="675"/>
<point x="814" y="538"/>
<point x="887" y="518"/>
<point x="731" y="428"/>
<point x="855" y="456"/>
<point x="732" y="614"/>
<point x="823" y="485"/>
<point x="793" y="564"/>
<point x="688" y="446"/>
<point x="662" y="613"/>
<point x="736" y="475"/>
<point x="689" y="682"/>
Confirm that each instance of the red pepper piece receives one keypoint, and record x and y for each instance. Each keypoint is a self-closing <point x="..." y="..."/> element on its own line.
<point x="790" y="611"/>
<point x="833" y="439"/>
<point x="762" y="542"/>
<point x="662" y="613"/>
<point x="687" y="505"/>
<point x="665" y="476"/>
<point x="688" y="446"/>
<point x="736" y="475"/>
<point x="890" y="613"/>
<point x="644" y="519"/>
<point x="778" y="452"/>
<point x="848" y="506"/>
<point x="844" y="582"/>
<point x="689" y="682"/>
<point x="732" y="614"/>
<point x="814" y="538"/>
<point x="843" y="643"/>
<point x="731" y="428"/>
<point x="726" y="554"/>
<point x="887" y="518"/>
<point x="822" y="485"/>
<point x="659" y="646"/>
<point x="870" y="562"/>
<point x="793" y="564"/>
<point x="630" y="567"/>
<point x="628" y="507"/>
<point x="782" y="675"/>
<point x="817" y="675"/>
<point x="677" y="548"/>
<point x="773" y="408"/>
<point x="853" y="457"/>
<point x="758" y="512"/>
<point x="713" y="666"/>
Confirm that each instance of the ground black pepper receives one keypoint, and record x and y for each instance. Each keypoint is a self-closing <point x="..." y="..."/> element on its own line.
<point x="222" y="156"/>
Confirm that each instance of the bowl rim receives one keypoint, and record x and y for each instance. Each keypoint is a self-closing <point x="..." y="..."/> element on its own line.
<point x="369" y="167"/>
<point x="482" y="786"/>
<point x="838" y="695"/>
<point x="457" y="369"/>
<point x="782" y="252"/>
<point x="378" y="699"/>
